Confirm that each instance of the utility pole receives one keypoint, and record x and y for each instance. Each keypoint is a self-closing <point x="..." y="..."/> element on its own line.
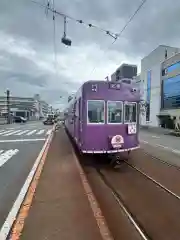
<point x="8" y="106"/>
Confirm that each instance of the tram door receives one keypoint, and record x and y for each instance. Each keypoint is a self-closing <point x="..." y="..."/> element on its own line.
<point x="79" y="121"/>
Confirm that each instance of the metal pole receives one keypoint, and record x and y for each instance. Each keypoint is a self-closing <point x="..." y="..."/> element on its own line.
<point x="8" y="107"/>
<point x="65" y="26"/>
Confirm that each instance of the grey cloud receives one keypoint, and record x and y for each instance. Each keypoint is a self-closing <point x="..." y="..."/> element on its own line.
<point x="156" y="23"/>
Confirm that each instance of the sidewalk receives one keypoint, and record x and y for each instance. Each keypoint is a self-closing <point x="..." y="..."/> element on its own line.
<point x="60" y="208"/>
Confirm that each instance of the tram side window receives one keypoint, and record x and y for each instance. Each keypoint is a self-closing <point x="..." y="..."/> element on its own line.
<point x="130" y="112"/>
<point x="95" y="111"/>
<point x="115" y="112"/>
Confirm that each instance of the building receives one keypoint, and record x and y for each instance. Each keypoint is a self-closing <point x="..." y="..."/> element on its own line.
<point x="124" y="71"/>
<point x="159" y="75"/>
<point x="170" y="87"/>
<point x="29" y="107"/>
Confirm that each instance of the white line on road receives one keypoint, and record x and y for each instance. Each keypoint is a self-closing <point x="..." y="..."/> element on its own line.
<point x="4" y="157"/>
<point x="155" y="137"/>
<point x="23" y="140"/>
<point x="20" y="133"/>
<point x="11" y="133"/>
<point x="40" y="132"/>
<point x="2" y="131"/>
<point x="162" y="146"/>
<point x="5" y="229"/>
<point x="5" y="132"/>
<point x="30" y="133"/>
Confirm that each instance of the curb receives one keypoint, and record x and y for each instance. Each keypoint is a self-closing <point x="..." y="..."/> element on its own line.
<point x="100" y="219"/>
<point x="14" y="223"/>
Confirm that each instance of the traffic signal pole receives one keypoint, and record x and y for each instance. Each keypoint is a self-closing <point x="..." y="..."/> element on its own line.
<point x="8" y="106"/>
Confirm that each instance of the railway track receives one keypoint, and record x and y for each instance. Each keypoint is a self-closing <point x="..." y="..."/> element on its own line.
<point x="161" y="160"/>
<point x="153" y="180"/>
<point x="139" y="228"/>
<point x="143" y="200"/>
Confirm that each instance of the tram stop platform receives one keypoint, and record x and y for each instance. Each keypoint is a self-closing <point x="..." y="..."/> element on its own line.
<point x="60" y="207"/>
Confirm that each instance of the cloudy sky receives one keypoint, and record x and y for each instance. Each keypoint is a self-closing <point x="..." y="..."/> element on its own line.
<point x="27" y="64"/>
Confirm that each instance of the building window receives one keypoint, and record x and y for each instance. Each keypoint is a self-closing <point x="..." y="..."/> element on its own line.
<point x="115" y="111"/>
<point x="171" y="93"/>
<point x="173" y="67"/>
<point x="148" y="97"/>
<point x="130" y="112"/>
<point x="95" y="111"/>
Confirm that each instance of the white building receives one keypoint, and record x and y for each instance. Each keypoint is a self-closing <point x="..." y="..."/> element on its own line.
<point x="151" y="71"/>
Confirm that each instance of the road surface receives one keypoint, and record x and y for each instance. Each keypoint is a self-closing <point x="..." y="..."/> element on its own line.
<point x="20" y="145"/>
<point x="162" y="146"/>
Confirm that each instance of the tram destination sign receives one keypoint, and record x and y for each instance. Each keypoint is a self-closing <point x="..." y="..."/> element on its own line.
<point x="116" y="86"/>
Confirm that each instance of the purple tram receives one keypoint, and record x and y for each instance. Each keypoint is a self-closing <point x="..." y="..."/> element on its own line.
<point x="103" y="118"/>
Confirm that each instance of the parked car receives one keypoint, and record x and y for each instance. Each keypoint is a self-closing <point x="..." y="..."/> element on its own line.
<point x="19" y="119"/>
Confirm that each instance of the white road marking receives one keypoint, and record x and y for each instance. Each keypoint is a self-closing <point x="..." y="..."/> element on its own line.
<point x="11" y="133"/>
<point x="4" y="157"/>
<point x="5" y="132"/>
<point x="162" y="146"/>
<point x="49" y="132"/>
<point x="159" y="145"/>
<point x="20" y="133"/>
<point x="30" y="133"/>
<point x="155" y="137"/>
<point x="1" y="151"/>
<point x="2" y="131"/>
<point x="23" y="140"/>
<point x="40" y="132"/>
<point x="5" y="229"/>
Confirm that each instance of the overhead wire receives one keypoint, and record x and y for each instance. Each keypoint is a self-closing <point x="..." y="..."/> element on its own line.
<point x="123" y="29"/>
<point x="116" y="36"/>
<point x="80" y="21"/>
<point x="54" y="36"/>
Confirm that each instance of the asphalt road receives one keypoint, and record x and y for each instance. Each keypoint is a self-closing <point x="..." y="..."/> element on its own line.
<point x="162" y="146"/>
<point x="20" y="145"/>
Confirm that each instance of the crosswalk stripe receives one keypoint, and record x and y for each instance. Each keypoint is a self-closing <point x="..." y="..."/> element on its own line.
<point x="40" y="132"/>
<point x="5" y="132"/>
<point x="49" y="131"/>
<point x="22" y="132"/>
<point x="30" y="133"/>
<point x="11" y="133"/>
<point x="1" y="151"/>
<point x="27" y="132"/>
<point x="4" y="157"/>
<point x="2" y="131"/>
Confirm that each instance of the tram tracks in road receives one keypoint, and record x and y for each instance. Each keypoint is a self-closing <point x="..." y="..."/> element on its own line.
<point x="161" y="160"/>
<point x="157" y="204"/>
<point x="139" y="228"/>
<point x="136" y="216"/>
<point x="153" y="180"/>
